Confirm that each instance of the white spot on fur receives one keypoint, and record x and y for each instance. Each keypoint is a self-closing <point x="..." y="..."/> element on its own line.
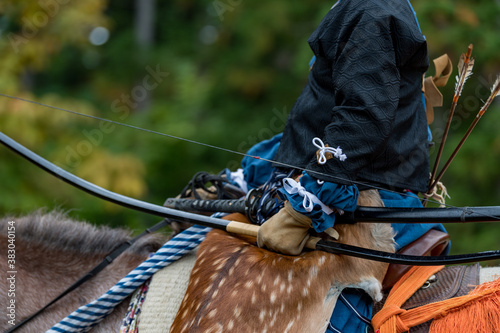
<point x="290" y="275"/>
<point x="261" y="316"/>
<point x="222" y="282"/>
<point x="282" y="287"/>
<point x="289" y="326"/>
<point x="305" y="292"/>
<point x="237" y="262"/>
<point x="230" y="325"/>
<point x="196" y="281"/>
<point x="273" y="297"/>
<point x="219" y="328"/>
<point x="249" y="284"/>
<point x="212" y="313"/>
<point x="322" y="260"/>
<point x="313" y="272"/>
<point x="276" y="281"/>
<point x="237" y="312"/>
<point x="273" y="321"/>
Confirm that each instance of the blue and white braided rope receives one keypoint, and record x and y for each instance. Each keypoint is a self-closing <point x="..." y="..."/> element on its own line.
<point x="87" y="316"/>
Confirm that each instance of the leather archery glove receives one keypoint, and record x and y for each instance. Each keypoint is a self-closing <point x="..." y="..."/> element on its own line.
<point x="286" y="232"/>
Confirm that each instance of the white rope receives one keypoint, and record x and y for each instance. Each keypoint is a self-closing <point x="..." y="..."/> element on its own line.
<point x="293" y="187"/>
<point x="439" y="194"/>
<point x="323" y="150"/>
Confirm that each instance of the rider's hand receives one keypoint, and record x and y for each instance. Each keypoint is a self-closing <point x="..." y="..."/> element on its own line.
<point x="286" y="232"/>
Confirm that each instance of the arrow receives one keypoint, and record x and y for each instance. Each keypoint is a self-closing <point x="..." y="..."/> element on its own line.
<point x="465" y="67"/>
<point x="495" y="92"/>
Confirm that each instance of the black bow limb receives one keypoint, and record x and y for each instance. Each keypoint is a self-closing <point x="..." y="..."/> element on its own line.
<point x="232" y="226"/>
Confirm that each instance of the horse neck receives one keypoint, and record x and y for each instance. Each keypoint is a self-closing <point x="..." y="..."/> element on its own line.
<point x="46" y="267"/>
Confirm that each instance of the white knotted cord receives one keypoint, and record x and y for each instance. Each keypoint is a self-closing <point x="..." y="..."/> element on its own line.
<point x="439" y="193"/>
<point x="323" y="150"/>
<point x="293" y="187"/>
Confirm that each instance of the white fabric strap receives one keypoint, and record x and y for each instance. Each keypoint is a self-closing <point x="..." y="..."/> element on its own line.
<point x="323" y="150"/>
<point x="239" y="178"/>
<point x="293" y="187"/>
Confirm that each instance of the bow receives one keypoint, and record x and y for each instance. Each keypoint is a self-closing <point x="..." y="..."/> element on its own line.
<point x="237" y="227"/>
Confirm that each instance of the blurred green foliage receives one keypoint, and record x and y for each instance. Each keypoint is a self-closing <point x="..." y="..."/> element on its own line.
<point x="220" y="72"/>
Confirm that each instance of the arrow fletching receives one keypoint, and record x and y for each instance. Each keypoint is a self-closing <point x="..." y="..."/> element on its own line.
<point x="495" y="91"/>
<point x="496" y="87"/>
<point x="465" y="66"/>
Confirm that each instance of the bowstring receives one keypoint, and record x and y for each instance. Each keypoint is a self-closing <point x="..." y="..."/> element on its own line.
<point x="227" y="150"/>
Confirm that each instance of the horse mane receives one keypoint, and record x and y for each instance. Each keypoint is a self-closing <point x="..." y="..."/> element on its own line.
<point x="55" y="230"/>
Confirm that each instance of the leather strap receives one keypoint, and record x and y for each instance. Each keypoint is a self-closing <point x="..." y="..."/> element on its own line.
<point x="433" y="96"/>
<point x="432" y="243"/>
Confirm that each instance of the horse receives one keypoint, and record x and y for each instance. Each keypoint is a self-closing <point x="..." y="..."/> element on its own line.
<point x="52" y="251"/>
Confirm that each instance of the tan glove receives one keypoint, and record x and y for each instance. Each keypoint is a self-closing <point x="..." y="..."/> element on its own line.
<point x="286" y="232"/>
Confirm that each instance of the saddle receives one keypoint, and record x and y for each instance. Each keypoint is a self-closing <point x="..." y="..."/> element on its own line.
<point x="432" y="243"/>
<point x="450" y="282"/>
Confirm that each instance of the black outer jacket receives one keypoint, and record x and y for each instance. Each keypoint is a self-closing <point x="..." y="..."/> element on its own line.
<point x="364" y="94"/>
